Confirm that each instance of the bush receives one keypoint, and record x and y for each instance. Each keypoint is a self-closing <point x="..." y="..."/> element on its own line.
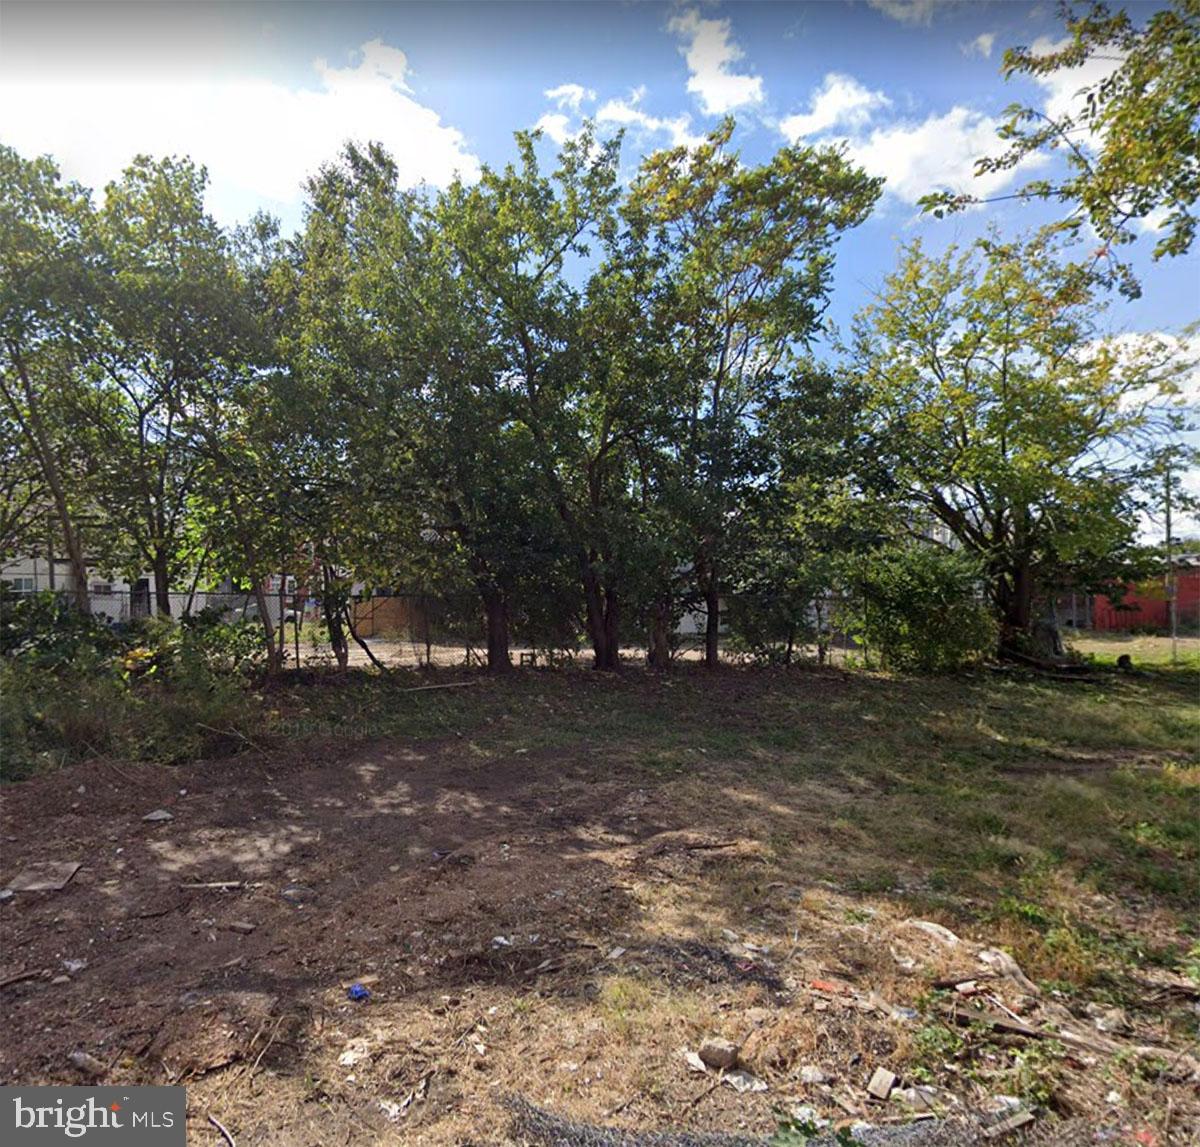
<point x="918" y="608"/>
<point x="72" y="686"/>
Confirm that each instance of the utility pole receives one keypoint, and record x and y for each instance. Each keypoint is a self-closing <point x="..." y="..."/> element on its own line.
<point x="1172" y="612"/>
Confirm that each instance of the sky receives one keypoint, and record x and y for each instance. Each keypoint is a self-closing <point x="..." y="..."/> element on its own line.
<point x="264" y="93"/>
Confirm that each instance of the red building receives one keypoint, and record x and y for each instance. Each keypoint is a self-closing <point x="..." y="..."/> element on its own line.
<point x="1145" y="606"/>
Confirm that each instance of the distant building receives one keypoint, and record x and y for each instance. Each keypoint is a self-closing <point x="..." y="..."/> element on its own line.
<point x="1144" y="606"/>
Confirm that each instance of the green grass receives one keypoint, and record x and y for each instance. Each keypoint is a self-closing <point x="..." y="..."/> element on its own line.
<point x="1018" y="794"/>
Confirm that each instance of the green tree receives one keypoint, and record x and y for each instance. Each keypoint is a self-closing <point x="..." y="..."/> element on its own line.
<point x="1005" y="420"/>
<point x="1132" y="145"/>
<point x="747" y="253"/>
<point x="45" y="261"/>
<point x="511" y="241"/>
<point x="169" y="329"/>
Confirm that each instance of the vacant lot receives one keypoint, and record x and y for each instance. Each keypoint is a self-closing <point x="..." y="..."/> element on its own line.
<point x="555" y="885"/>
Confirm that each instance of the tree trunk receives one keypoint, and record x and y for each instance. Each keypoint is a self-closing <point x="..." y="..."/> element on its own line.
<point x="660" y="635"/>
<point x="78" y="566"/>
<point x="495" y="606"/>
<point x="603" y="620"/>
<point x="162" y="585"/>
<point x="712" y="625"/>
<point x="331" y="607"/>
<point x="274" y="661"/>
<point x="1016" y="599"/>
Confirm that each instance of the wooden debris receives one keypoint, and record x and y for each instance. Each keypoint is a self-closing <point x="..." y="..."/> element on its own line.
<point x="447" y="685"/>
<point x="49" y="876"/>
<point x="1017" y="1119"/>
<point x="223" y="1130"/>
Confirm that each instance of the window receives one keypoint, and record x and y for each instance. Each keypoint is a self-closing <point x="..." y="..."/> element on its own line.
<point x="102" y="589"/>
<point x="21" y="584"/>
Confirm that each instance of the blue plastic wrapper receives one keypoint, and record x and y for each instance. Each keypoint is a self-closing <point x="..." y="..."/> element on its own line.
<point x="358" y="992"/>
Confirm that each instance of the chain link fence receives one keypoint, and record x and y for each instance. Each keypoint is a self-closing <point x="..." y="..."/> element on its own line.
<point x="418" y="630"/>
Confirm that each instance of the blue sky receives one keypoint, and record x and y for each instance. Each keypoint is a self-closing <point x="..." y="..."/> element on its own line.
<point x="263" y="93"/>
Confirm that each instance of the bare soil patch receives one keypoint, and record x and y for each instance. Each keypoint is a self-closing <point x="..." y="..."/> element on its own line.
<point x="557" y="922"/>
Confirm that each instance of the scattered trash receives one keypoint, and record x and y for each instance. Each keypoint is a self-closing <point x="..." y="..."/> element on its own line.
<point x="939" y="932"/>
<point x="695" y="1063"/>
<point x="6" y="894"/>
<point x="918" y="1098"/>
<point x="391" y="1110"/>
<point x="298" y="894"/>
<point x="351" y="1056"/>
<point x="742" y="1081"/>
<point x="1003" y="963"/>
<point x="718" y="1052"/>
<point x="88" y="1064"/>
<point x="1006" y="1123"/>
<point x="241" y="927"/>
<point x="501" y="942"/>
<point x="1113" y="1099"/>
<point x="59" y="980"/>
<point x="73" y="966"/>
<point x="905" y="1015"/>
<point x="882" y="1083"/>
<point x="158" y="815"/>
<point x="802" y="1113"/>
<point x="49" y="876"/>
<point x="810" y="1073"/>
<point x="616" y="953"/>
<point x="358" y="992"/>
<point x="1112" y="1020"/>
<point x="730" y="935"/>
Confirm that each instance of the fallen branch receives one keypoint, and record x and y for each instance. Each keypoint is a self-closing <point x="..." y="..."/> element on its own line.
<point x="447" y="685"/>
<point x="1014" y="1027"/>
<point x="223" y="1130"/>
<point x="21" y="976"/>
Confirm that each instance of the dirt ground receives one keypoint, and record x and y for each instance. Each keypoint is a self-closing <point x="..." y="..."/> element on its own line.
<point x="543" y="922"/>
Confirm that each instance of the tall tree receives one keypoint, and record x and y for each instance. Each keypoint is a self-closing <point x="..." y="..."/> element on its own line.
<point x="1004" y="416"/>
<point x="1130" y="144"/>
<point x="168" y="333"/>
<point x="45" y="262"/>
<point x="512" y="240"/>
<point x="749" y="255"/>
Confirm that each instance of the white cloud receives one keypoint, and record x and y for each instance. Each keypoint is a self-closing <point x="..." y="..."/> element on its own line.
<point x="982" y="45"/>
<point x="710" y="52"/>
<point x="629" y="113"/>
<point x="937" y="154"/>
<point x="840" y="102"/>
<point x="909" y="11"/>
<point x="556" y="126"/>
<point x="1063" y="87"/>
<point x="915" y="157"/>
<point x="570" y="97"/>
<point x="259" y="139"/>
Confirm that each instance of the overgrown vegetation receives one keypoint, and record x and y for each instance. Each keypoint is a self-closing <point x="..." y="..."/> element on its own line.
<point x="919" y="608"/>
<point x="72" y="686"/>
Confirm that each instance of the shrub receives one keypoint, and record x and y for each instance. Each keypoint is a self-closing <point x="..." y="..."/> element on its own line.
<point x="72" y="686"/>
<point x="918" y="607"/>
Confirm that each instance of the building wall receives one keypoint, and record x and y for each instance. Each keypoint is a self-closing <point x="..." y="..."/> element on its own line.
<point x="1146" y="606"/>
